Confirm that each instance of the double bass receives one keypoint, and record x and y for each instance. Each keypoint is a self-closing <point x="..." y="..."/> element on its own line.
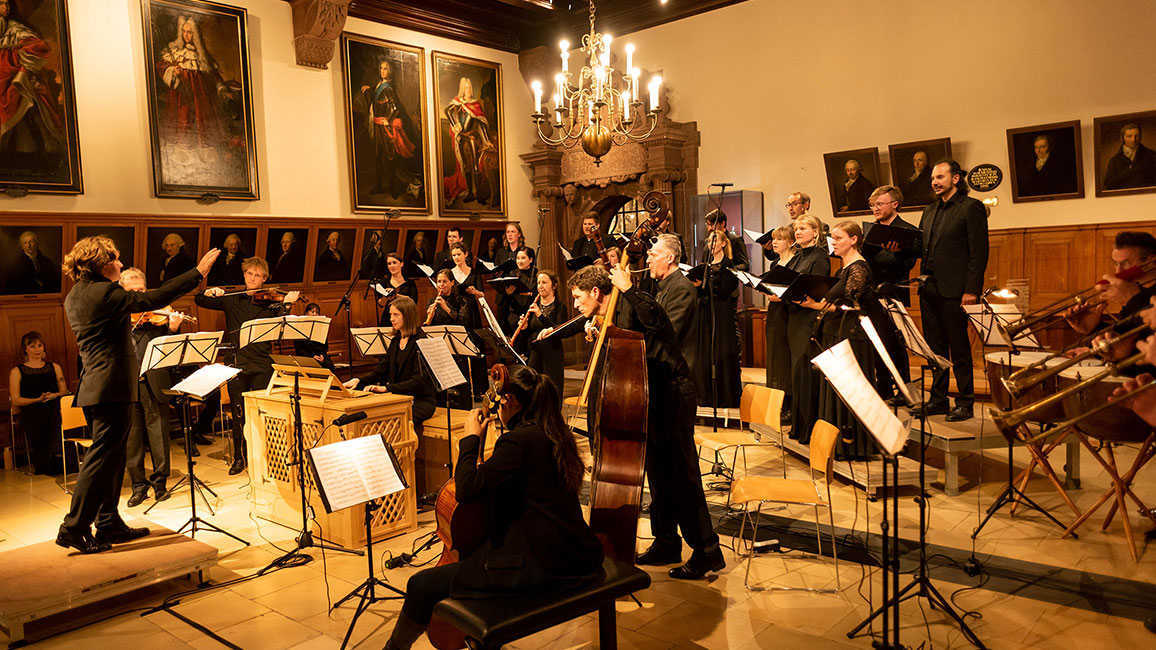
<point x="620" y="425"/>
<point x="462" y="528"/>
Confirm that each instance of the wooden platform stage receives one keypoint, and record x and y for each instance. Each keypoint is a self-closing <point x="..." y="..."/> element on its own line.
<point x="46" y="587"/>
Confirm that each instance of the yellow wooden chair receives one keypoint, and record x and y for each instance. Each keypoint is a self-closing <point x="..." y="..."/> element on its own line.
<point x="71" y="417"/>
<point x="806" y="492"/>
<point x="759" y="406"/>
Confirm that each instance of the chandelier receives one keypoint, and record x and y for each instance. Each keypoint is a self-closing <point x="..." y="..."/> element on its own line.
<point x="591" y="108"/>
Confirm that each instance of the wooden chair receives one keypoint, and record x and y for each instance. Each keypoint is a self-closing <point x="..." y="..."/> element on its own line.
<point x="760" y="406"/>
<point x="807" y="492"/>
<point x="71" y="417"/>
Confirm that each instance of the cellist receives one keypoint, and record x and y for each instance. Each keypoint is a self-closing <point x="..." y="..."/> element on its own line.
<point x="677" y="498"/>
<point x="538" y="542"/>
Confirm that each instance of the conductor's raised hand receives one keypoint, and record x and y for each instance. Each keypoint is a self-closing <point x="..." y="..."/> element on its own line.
<point x="207" y="260"/>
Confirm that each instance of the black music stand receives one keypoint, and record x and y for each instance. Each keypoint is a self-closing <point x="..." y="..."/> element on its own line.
<point x="294" y="328"/>
<point x="991" y="324"/>
<point x="348" y="473"/>
<point x="191" y="349"/>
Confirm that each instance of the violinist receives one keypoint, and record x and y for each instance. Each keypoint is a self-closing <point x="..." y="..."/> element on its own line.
<point x="547" y="355"/>
<point x="537" y="541"/>
<point x="677" y="497"/>
<point x="98" y="311"/>
<point x="397" y="284"/>
<point x="401" y="371"/>
<point x="255" y="359"/>
<point x="446" y="307"/>
<point x="150" y="413"/>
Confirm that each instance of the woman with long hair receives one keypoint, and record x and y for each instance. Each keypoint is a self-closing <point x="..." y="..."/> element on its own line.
<point x="396" y="285"/>
<point x="537" y="542"/>
<point x="400" y="371"/>
<point x="34" y="389"/>
<point x="547" y="356"/>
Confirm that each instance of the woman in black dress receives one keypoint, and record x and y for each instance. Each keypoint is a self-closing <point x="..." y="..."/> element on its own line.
<point x="718" y="329"/>
<point x="401" y="370"/>
<point x="547" y="355"/>
<point x="35" y="387"/>
<point x="812" y="259"/>
<point x="537" y="541"/>
<point x="778" y="349"/>
<point x="397" y="285"/>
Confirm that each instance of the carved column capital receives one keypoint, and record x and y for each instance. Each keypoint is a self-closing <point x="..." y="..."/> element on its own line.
<point x="316" y="26"/>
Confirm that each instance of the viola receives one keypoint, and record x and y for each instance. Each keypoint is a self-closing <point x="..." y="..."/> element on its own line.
<point x="462" y="528"/>
<point x="158" y="317"/>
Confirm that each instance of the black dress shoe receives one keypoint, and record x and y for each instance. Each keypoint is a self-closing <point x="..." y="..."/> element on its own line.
<point x="237" y="467"/>
<point x="655" y="556"/>
<point x="930" y="409"/>
<point x="699" y="565"/>
<point x="120" y="534"/>
<point x="959" y="414"/>
<point x="81" y="540"/>
<point x="137" y="498"/>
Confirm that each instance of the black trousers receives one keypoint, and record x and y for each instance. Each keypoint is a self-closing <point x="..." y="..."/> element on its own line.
<point x="240" y="384"/>
<point x="945" y="328"/>
<point x="97" y="491"/>
<point x="425" y="588"/>
<point x="677" y="500"/>
<point x="149" y="422"/>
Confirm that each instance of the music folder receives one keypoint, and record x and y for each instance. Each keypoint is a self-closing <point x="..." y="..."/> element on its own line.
<point x="502" y="284"/>
<point x="880" y="235"/>
<point x="808" y="286"/>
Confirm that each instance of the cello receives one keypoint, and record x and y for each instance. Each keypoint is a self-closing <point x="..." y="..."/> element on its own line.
<point x="462" y="527"/>
<point x="620" y="425"/>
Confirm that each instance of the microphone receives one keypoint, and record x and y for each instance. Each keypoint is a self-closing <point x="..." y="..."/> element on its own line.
<point x="722" y="184"/>
<point x="349" y="417"/>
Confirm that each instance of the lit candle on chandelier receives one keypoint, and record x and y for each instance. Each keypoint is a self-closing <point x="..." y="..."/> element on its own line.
<point x="537" y="86"/>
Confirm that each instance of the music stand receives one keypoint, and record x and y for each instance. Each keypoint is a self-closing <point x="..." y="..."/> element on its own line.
<point x="294" y="328"/>
<point x="991" y="322"/>
<point x="351" y="472"/>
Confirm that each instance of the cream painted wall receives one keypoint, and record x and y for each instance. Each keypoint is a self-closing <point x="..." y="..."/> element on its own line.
<point x="773" y="84"/>
<point x="299" y="121"/>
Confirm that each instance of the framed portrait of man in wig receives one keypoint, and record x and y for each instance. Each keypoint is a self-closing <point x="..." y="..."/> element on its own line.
<point x="39" y="147"/>
<point x="471" y="174"/>
<point x="200" y="100"/>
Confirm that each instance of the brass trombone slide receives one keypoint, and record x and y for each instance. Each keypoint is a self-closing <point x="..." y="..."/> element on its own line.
<point x="1017" y="385"/>
<point x="1008" y="422"/>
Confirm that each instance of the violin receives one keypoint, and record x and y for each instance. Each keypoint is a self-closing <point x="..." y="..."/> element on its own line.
<point x="462" y="528"/>
<point x="158" y="317"/>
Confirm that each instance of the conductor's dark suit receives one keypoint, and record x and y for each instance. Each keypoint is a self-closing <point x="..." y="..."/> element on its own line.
<point x="955" y="256"/>
<point x="98" y="312"/>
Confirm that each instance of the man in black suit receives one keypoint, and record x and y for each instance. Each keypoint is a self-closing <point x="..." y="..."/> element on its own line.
<point x="1134" y="165"/>
<point x="1050" y="173"/>
<point x="955" y="256"/>
<point x="856" y="189"/>
<point x="255" y="359"/>
<point x="98" y="311"/>
<point x="585" y="246"/>
<point x="453" y="236"/>
<point x="891" y="265"/>
<point x="717" y="220"/>
<point x="177" y="261"/>
<point x="33" y="271"/>
<point x="150" y="416"/>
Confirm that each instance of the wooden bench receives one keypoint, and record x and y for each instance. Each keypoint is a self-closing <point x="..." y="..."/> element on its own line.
<point x="491" y="623"/>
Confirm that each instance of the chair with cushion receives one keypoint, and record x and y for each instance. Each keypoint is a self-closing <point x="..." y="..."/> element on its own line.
<point x="490" y="623"/>
<point x="806" y="492"/>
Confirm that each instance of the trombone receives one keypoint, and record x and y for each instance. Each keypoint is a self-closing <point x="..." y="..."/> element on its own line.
<point x="1088" y="298"/>
<point x="1018" y="385"/>
<point x="1008" y="422"/>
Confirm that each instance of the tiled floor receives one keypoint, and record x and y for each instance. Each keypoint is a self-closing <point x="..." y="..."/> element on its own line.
<point x="290" y="608"/>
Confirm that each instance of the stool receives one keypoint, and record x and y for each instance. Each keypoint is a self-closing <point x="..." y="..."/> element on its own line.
<point x="490" y="623"/>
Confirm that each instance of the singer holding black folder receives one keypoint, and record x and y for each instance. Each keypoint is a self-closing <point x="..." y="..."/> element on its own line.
<point x="811" y="259"/>
<point x="891" y="264"/>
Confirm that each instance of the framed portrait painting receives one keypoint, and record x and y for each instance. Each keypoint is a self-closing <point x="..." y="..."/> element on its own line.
<point x="851" y="177"/>
<point x="1124" y="164"/>
<point x="39" y="147"/>
<point x="911" y="164"/>
<point x="386" y="125"/>
<point x="471" y="175"/>
<point x="1046" y="162"/>
<point x="200" y="100"/>
<point x="30" y="259"/>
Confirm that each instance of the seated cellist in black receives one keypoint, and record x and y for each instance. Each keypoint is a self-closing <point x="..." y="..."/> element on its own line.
<point x="401" y="371"/>
<point x="537" y="542"/>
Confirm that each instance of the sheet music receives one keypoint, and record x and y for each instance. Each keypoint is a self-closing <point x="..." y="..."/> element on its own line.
<point x="441" y="363"/>
<point x="206" y="380"/>
<point x="842" y="370"/>
<point x="285" y="328"/>
<point x="912" y="337"/>
<point x="171" y="350"/>
<point x="372" y="341"/>
<point x="873" y="334"/>
<point x="354" y="471"/>
<point x="987" y="316"/>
